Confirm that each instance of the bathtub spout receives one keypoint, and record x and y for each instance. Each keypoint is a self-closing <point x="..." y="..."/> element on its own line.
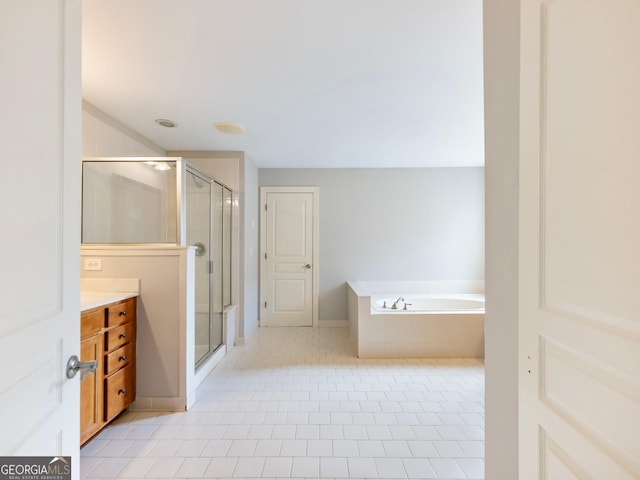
<point x="395" y="304"/>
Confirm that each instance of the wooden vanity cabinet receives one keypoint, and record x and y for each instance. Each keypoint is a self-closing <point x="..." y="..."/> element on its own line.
<point x="108" y="335"/>
<point x="91" y="396"/>
<point x="119" y="358"/>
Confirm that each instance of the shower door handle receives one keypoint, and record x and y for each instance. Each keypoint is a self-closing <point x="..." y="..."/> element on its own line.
<point x="200" y="249"/>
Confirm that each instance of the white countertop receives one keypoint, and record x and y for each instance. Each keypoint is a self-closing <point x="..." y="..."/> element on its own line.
<point x="89" y="300"/>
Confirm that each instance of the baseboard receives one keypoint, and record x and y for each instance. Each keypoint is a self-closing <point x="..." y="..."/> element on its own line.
<point x="158" y="404"/>
<point x="333" y="323"/>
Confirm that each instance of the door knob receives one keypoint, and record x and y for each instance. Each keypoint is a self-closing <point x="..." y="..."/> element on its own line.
<point x="307" y="266"/>
<point x="200" y="249"/>
<point x="74" y="365"/>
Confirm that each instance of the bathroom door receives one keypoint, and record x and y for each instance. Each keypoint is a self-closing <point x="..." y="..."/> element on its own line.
<point x="40" y="203"/>
<point x="199" y="228"/>
<point x="289" y="245"/>
<point x="580" y="240"/>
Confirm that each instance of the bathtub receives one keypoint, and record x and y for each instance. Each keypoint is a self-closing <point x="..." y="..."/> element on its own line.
<point x="437" y="324"/>
<point x="411" y="304"/>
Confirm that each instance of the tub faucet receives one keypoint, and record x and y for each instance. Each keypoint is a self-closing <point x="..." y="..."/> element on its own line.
<point x="395" y="304"/>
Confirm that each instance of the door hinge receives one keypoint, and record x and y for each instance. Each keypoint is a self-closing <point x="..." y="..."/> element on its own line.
<point x="265" y="255"/>
<point x="265" y="304"/>
<point x="210" y="266"/>
<point x="265" y="207"/>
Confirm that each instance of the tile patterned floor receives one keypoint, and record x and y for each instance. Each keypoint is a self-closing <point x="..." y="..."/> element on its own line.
<point x="296" y="403"/>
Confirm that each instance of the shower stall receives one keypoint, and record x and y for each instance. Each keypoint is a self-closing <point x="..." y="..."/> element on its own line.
<point x="166" y="201"/>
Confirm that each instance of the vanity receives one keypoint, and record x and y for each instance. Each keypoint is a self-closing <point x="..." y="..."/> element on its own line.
<point x="108" y="336"/>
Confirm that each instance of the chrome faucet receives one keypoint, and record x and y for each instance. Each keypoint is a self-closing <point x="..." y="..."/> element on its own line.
<point x="395" y="304"/>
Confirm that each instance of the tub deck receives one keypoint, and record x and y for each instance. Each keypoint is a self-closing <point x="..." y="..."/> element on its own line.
<point x="399" y="334"/>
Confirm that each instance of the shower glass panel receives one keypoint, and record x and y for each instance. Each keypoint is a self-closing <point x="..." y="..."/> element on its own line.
<point x="216" y="320"/>
<point x="198" y="211"/>
<point x="129" y="202"/>
<point x="226" y="247"/>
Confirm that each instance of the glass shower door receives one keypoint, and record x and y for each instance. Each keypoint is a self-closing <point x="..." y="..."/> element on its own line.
<point x="217" y="304"/>
<point x="199" y="230"/>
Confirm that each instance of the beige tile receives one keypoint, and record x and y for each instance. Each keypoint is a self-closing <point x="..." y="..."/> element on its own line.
<point x="268" y="448"/>
<point x="108" y="468"/>
<point x="371" y="448"/>
<point x="277" y="467"/>
<point x="305" y="467"/>
<point x="216" y="448"/>
<point x="87" y="464"/>
<point x="320" y="448"/>
<point x="293" y="448"/>
<point x="296" y="403"/>
<point x="137" y="468"/>
<point x="242" y="448"/>
<point x="345" y="448"/>
<point x="221" y="468"/>
<point x="390" y="468"/>
<point x="191" y="448"/>
<point x="420" y="468"/>
<point x="447" y="468"/>
<point x="249" y="467"/>
<point x="165" y="448"/>
<point x="165" y="468"/>
<point x="334" y="468"/>
<point x="193" y="468"/>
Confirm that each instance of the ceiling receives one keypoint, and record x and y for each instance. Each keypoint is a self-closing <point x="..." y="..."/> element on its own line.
<point x="316" y="83"/>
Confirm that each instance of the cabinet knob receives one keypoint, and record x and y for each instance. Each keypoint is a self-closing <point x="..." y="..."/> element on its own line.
<point x="121" y="391"/>
<point x="123" y="313"/>
<point x="123" y="358"/>
<point x="122" y="335"/>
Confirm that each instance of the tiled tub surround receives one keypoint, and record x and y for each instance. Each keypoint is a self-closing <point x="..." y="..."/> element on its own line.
<point x="296" y="403"/>
<point x="449" y="323"/>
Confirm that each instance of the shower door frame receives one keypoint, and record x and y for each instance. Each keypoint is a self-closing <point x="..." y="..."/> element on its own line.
<point x="181" y="194"/>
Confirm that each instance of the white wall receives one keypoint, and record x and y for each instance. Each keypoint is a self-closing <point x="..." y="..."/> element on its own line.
<point x="251" y="240"/>
<point x="392" y="224"/>
<point x="104" y="136"/>
<point x="501" y="62"/>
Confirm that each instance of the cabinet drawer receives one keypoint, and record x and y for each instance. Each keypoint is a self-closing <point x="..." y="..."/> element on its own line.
<point x="118" y="359"/>
<point x="119" y="392"/>
<point x="119" y="336"/>
<point x="121" y="312"/>
<point x="91" y="322"/>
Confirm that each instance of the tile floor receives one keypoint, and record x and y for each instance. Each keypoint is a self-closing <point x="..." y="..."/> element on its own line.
<point x="296" y="403"/>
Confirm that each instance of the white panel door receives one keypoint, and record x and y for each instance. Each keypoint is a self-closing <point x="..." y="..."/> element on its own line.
<point x="580" y="240"/>
<point x="289" y="259"/>
<point x="40" y="202"/>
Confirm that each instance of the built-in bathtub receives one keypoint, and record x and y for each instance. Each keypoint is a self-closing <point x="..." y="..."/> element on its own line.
<point x="430" y="319"/>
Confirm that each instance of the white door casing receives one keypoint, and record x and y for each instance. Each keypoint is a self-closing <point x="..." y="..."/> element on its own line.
<point x="580" y="240"/>
<point x="40" y="136"/>
<point x="289" y="263"/>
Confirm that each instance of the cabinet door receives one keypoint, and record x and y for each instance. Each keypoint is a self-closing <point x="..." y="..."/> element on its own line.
<point x="91" y="407"/>
<point x="120" y="391"/>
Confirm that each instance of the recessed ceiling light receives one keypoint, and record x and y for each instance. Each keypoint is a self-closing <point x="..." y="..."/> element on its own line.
<point x="230" y="127"/>
<point x="166" y="123"/>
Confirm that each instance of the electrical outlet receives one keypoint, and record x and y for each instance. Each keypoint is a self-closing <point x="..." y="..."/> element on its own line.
<point x="93" y="264"/>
